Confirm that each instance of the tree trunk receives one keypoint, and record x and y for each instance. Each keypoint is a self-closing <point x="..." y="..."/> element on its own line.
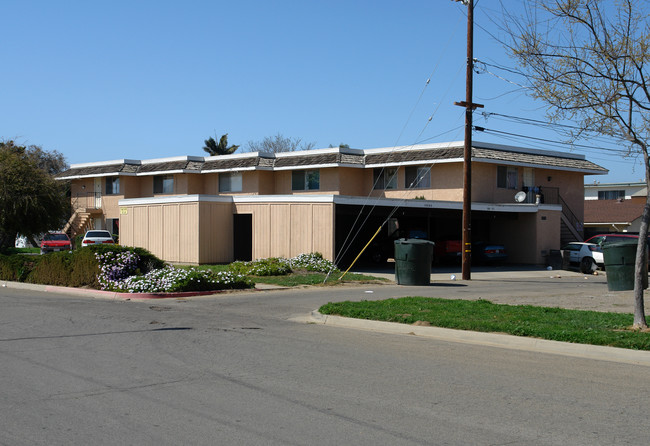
<point x="640" y="263"/>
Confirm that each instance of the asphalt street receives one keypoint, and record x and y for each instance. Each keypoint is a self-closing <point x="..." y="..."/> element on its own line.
<point x="236" y="368"/>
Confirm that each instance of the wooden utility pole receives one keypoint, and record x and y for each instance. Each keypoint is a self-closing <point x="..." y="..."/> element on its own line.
<point x="467" y="152"/>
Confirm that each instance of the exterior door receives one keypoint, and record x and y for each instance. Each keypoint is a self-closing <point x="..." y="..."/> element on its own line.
<point x="98" y="193"/>
<point x="529" y="184"/>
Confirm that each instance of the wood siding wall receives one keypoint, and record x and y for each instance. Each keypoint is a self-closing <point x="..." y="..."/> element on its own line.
<point x="289" y="229"/>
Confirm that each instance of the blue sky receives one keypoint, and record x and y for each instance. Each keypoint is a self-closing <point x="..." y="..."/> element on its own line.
<point x="103" y="81"/>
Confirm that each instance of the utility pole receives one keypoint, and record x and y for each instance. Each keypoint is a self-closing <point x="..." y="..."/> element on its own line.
<point x="467" y="152"/>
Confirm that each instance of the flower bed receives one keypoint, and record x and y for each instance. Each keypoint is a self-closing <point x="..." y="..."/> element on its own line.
<point x="118" y="272"/>
<point x="279" y="266"/>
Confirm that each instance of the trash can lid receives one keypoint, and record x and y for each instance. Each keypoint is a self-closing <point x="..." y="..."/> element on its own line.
<point x="413" y="241"/>
<point x="619" y="244"/>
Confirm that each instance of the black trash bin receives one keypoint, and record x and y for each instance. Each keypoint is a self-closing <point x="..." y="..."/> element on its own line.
<point x="619" y="265"/>
<point x="413" y="259"/>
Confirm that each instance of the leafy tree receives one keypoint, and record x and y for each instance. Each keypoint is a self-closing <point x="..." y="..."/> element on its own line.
<point x="278" y="144"/>
<point x="31" y="200"/>
<point x="587" y="60"/>
<point x="221" y="148"/>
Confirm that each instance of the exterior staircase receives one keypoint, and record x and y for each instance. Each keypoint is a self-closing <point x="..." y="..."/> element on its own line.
<point x="79" y="222"/>
<point x="571" y="229"/>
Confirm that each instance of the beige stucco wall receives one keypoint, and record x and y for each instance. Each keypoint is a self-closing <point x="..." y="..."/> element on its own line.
<point x="529" y="238"/>
<point x="289" y="229"/>
<point x="446" y="184"/>
<point x="353" y="181"/>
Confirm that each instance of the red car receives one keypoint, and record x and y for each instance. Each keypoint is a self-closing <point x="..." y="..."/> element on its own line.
<point x="55" y="241"/>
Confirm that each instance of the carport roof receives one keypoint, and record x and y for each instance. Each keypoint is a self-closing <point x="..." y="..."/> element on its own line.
<point x="334" y="157"/>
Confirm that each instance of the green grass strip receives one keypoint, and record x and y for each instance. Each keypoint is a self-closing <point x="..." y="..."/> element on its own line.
<point x="577" y="326"/>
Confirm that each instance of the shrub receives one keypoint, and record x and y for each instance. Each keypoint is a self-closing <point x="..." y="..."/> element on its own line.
<point x="17" y="267"/>
<point x="265" y="267"/>
<point x="279" y="267"/>
<point x="313" y="262"/>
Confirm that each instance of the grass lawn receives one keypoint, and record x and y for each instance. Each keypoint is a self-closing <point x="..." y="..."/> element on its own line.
<point x="577" y="326"/>
<point x="310" y="278"/>
<point x="302" y="277"/>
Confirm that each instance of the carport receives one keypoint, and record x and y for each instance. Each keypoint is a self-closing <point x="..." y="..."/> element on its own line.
<point x="528" y="231"/>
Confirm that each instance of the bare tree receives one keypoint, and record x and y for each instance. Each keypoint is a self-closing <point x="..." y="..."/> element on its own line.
<point x="278" y="144"/>
<point x="586" y="59"/>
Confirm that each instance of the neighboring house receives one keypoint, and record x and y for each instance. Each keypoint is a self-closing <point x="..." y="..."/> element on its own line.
<point x="256" y="205"/>
<point x="602" y="216"/>
<point x="614" y="207"/>
<point x="616" y="191"/>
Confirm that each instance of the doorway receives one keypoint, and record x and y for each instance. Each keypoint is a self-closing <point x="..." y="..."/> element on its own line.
<point x="243" y="237"/>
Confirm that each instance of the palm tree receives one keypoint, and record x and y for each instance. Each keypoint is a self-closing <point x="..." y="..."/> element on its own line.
<point x="213" y="148"/>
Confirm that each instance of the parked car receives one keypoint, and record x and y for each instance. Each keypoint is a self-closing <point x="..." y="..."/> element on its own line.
<point x="488" y="253"/>
<point x="55" y="241"/>
<point x="97" y="236"/>
<point x="603" y="239"/>
<point x="586" y="256"/>
<point x="447" y="251"/>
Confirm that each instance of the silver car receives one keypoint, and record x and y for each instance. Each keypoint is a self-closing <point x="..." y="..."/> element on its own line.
<point x="97" y="237"/>
<point x="587" y="256"/>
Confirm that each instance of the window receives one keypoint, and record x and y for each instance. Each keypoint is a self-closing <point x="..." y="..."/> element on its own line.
<point x="611" y="194"/>
<point x="230" y="182"/>
<point x="305" y="180"/>
<point x="418" y="177"/>
<point x="507" y="177"/>
<point x="163" y="184"/>
<point x="112" y="185"/>
<point x="385" y="178"/>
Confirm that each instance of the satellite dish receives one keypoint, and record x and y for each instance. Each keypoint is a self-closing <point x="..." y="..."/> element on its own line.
<point x="520" y="196"/>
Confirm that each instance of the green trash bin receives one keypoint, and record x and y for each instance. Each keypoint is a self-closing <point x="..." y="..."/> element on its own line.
<point x="619" y="265"/>
<point x="413" y="259"/>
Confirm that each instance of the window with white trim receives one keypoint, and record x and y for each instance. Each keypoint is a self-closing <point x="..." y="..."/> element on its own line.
<point x="305" y="180"/>
<point x="230" y="182"/>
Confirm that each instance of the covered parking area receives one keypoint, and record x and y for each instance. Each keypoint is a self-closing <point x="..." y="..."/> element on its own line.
<point x="528" y="231"/>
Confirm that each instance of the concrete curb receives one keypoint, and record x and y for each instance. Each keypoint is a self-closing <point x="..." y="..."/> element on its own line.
<point x="597" y="352"/>
<point x="87" y="292"/>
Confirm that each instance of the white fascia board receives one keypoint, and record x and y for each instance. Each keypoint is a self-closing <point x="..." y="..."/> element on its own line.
<point x="302" y="198"/>
<point x="167" y="172"/>
<point x="97" y="175"/>
<point x="454" y="205"/>
<point x="239" y="169"/>
<point x="239" y="156"/>
<point x="104" y="163"/>
<point x="339" y="199"/>
<point x="317" y="152"/>
<point x="171" y="159"/>
<point x="604" y="186"/>
<point x="169" y="199"/>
